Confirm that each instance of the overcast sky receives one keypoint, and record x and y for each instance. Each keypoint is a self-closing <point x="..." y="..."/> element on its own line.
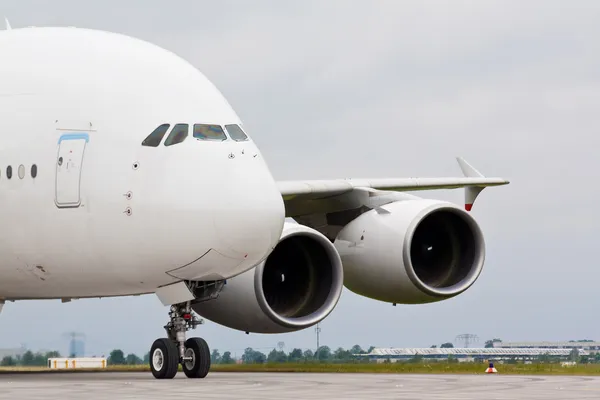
<point x="334" y="89"/>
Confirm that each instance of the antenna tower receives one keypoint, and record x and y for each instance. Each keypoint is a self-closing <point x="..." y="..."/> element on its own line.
<point x="467" y="339"/>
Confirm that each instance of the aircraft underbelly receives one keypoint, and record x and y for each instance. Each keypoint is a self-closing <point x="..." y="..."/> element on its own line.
<point x="210" y="266"/>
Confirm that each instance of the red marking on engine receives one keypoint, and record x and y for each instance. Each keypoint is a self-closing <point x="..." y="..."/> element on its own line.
<point x="468" y="207"/>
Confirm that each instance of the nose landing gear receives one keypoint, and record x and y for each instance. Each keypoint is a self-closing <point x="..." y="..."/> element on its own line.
<point x="167" y="353"/>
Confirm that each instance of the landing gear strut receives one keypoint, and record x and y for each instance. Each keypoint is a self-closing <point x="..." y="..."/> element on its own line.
<point x="167" y="353"/>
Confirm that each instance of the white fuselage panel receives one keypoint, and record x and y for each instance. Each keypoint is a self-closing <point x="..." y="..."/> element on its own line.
<point x="105" y="215"/>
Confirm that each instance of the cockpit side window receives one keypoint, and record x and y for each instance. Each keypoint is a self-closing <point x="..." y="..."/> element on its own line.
<point x="236" y="132"/>
<point x="177" y="135"/>
<point x="154" y="139"/>
<point x="209" y="132"/>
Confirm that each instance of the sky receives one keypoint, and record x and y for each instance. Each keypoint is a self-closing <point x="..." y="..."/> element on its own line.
<point x="339" y="89"/>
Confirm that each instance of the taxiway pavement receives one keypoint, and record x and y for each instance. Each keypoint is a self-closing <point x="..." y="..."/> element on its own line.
<point x="264" y="386"/>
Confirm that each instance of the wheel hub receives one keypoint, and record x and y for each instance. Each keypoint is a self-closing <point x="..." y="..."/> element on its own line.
<point x="158" y="359"/>
<point x="190" y="358"/>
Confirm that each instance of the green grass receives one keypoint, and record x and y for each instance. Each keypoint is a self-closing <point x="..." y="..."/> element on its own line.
<point x="420" y="368"/>
<point x="396" y="368"/>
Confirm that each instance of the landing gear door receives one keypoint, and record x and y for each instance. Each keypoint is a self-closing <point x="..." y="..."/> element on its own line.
<point x="69" y="160"/>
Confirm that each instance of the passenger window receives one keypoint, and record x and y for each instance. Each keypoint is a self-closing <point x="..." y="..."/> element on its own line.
<point x="177" y="135"/>
<point x="33" y="171"/>
<point x="236" y="133"/>
<point x="9" y="172"/>
<point x="154" y="139"/>
<point x="209" y="132"/>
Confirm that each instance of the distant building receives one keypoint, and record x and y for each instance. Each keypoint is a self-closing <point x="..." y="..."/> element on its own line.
<point x="590" y="346"/>
<point x="465" y="354"/>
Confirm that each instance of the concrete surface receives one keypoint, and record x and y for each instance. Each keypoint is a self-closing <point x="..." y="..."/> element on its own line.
<point x="265" y="386"/>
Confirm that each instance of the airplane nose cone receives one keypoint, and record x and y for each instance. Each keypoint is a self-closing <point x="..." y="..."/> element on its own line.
<point x="250" y="221"/>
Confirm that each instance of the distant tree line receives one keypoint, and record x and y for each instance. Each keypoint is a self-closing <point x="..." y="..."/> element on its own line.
<point x="251" y="356"/>
<point x="324" y="354"/>
<point x="29" y="359"/>
<point x="490" y="343"/>
<point x="446" y="345"/>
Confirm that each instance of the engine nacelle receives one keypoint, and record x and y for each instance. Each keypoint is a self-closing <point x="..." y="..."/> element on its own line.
<point x="410" y="252"/>
<point x="297" y="286"/>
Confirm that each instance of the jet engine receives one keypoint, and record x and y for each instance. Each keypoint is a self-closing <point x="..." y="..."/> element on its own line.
<point x="410" y="252"/>
<point x="295" y="287"/>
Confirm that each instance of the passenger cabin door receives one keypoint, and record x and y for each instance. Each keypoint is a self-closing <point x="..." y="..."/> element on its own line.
<point x="69" y="160"/>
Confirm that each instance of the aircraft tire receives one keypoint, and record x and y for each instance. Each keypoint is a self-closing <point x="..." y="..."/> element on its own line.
<point x="164" y="359"/>
<point x="198" y="349"/>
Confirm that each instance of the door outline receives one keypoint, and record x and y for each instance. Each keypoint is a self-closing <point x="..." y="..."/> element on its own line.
<point x="58" y="161"/>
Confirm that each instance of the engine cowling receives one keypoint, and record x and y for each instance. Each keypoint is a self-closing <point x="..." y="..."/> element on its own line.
<point x="295" y="287"/>
<point x="410" y="252"/>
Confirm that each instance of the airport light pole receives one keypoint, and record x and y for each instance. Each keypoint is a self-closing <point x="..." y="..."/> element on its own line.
<point x="317" y="330"/>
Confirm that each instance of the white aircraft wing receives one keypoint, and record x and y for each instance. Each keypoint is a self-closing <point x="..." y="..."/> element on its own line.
<point x="310" y="199"/>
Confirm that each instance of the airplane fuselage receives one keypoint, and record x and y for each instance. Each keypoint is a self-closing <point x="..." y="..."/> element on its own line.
<point x="124" y="171"/>
<point x="105" y="215"/>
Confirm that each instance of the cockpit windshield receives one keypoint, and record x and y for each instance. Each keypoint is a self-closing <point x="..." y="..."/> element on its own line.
<point x="236" y="133"/>
<point x="177" y="135"/>
<point x="153" y="139"/>
<point x="209" y="132"/>
<point x="204" y="132"/>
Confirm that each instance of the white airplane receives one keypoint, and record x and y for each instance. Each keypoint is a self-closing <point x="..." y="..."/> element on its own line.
<point x="124" y="171"/>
